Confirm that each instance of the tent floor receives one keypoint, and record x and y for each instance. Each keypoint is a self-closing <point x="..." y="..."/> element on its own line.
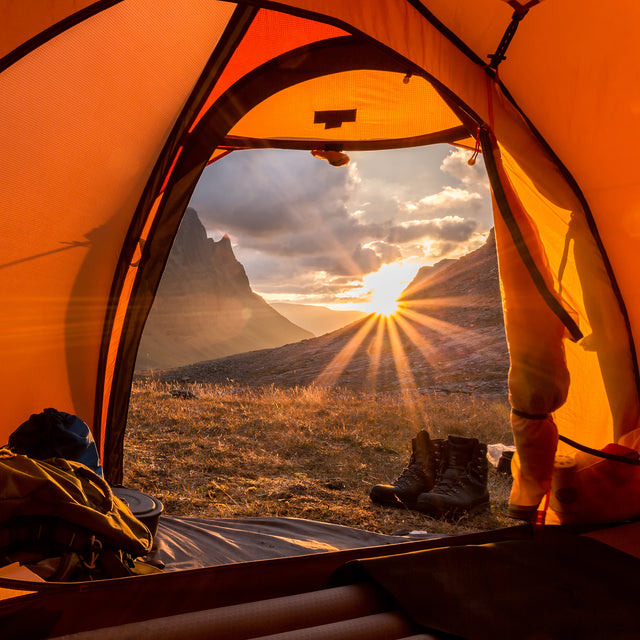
<point x="508" y="583"/>
<point x="193" y="543"/>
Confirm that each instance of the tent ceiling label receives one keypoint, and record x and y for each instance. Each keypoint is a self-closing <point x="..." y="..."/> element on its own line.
<point x="333" y="119"/>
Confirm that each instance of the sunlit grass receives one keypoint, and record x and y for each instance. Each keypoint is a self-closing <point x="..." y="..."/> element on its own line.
<point x="305" y="452"/>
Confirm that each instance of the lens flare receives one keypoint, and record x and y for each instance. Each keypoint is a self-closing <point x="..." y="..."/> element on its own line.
<point x="384" y="303"/>
<point x="385" y="287"/>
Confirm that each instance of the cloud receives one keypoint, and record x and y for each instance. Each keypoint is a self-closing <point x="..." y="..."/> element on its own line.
<point x="302" y="226"/>
<point x="335" y="236"/>
<point x="456" y="164"/>
<point x="256" y="194"/>
<point x="449" y="197"/>
<point x="313" y="288"/>
<point x="451" y="228"/>
<point x="461" y="202"/>
<point x="358" y="262"/>
<point x="388" y="252"/>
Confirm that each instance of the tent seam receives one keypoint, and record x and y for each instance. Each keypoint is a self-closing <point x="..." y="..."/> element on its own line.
<point x="568" y="176"/>
<point x="53" y="31"/>
<point x="505" y="210"/>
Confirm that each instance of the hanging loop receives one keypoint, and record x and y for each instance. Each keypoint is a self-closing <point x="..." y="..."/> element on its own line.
<point x="472" y="160"/>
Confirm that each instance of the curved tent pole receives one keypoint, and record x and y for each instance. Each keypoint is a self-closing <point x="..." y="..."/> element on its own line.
<point x="345" y="53"/>
<point x="112" y="402"/>
<point x="190" y="165"/>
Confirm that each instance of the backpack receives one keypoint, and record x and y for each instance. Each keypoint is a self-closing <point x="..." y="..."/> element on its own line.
<point x="63" y="521"/>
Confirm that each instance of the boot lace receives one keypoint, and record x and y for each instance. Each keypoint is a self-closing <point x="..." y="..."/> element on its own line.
<point x="449" y="485"/>
<point x="410" y="474"/>
<point x="450" y="479"/>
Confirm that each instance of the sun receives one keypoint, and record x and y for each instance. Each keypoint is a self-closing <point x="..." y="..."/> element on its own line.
<point x="384" y="302"/>
<point x="385" y="287"/>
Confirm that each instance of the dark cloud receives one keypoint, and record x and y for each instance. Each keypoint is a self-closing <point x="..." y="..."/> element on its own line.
<point x="365" y="260"/>
<point x="257" y="194"/>
<point x="357" y="263"/>
<point x="340" y="237"/>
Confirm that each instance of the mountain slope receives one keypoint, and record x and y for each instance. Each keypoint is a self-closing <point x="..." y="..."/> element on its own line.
<point x="464" y="291"/>
<point x="319" y="320"/>
<point x="205" y="308"/>
<point x="449" y="337"/>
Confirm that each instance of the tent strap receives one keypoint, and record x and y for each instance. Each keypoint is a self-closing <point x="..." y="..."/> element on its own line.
<point x="597" y="452"/>
<point x="519" y="13"/>
<point x="577" y="445"/>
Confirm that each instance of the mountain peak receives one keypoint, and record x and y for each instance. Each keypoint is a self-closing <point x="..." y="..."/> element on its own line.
<point x="205" y="308"/>
<point x="223" y="250"/>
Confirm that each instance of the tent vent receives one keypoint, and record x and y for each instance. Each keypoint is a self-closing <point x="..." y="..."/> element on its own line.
<point x="334" y="119"/>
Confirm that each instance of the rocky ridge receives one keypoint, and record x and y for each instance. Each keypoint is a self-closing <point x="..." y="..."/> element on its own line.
<point x="205" y="308"/>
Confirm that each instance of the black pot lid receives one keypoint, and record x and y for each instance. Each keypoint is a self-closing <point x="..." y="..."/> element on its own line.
<point x="140" y="503"/>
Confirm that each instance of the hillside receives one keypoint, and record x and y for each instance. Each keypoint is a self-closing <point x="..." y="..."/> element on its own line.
<point x="205" y="308"/>
<point x="317" y="319"/>
<point x="449" y="338"/>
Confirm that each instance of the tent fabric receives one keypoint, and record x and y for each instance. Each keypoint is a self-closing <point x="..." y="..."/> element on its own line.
<point x="385" y="105"/>
<point x="259" y="47"/>
<point x="86" y="115"/>
<point x="111" y="111"/>
<point x="56" y="609"/>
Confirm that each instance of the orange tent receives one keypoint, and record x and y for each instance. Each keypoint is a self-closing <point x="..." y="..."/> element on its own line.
<point x="112" y="109"/>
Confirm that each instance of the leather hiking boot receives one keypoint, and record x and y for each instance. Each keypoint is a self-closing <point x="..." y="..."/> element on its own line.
<point x="418" y="477"/>
<point x="461" y="488"/>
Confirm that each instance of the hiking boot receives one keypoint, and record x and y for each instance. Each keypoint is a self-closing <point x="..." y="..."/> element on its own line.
<point x="461" y="488"/>
<point x="418" y="477"/>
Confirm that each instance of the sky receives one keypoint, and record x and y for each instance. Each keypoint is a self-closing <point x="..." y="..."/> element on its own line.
<point x="311" y="233"/>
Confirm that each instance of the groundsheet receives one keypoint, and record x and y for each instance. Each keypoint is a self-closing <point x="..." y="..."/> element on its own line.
<point x="192" y="543"/>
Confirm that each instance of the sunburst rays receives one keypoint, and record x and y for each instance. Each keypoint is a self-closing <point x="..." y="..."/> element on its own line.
<point x="410" y="338"/>
<point x="332" y="372"/>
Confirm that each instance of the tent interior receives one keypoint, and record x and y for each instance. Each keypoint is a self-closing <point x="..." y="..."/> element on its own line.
<point x="111" y="112"/>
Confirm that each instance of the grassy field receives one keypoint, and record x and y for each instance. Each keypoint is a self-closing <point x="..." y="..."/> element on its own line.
<point x="305" y="452"/>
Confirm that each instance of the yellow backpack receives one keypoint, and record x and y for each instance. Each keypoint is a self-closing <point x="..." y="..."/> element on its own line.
<point x="63" y="520"/>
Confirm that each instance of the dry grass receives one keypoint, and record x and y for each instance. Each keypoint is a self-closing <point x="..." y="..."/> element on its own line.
<point x="305" y="452"/>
